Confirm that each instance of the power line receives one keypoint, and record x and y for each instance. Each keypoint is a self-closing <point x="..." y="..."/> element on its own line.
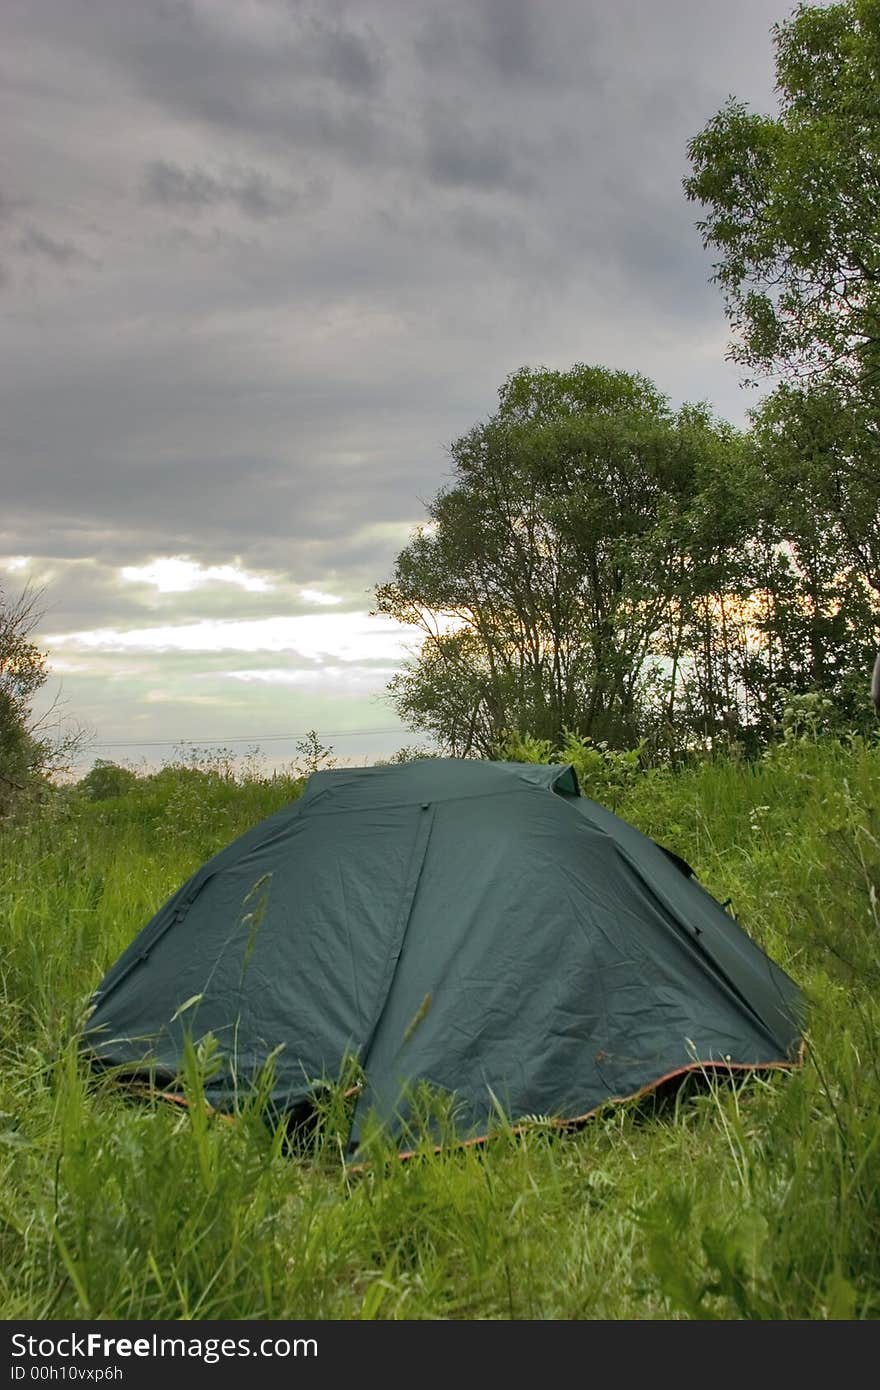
<point x="239" y="738"/>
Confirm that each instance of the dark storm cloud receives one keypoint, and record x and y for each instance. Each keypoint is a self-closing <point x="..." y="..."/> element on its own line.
<point x="283" y="72"/>
<point x="469" y="156"/>
<point x="33" y="242"/>
<point x="254" y="193"/>
<point x="355" y="60"/>
<point x="513" y="39"/>
<point x="507" y="39"/>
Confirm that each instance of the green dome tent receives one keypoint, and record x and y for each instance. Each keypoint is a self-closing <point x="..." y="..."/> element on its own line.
<point x="476" y="925"/>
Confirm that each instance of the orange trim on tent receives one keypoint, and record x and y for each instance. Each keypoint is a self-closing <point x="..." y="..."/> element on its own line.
<point x="142" y="1088"/>
<point x="622" y="1100"/>
<point x="566" y="1123"/>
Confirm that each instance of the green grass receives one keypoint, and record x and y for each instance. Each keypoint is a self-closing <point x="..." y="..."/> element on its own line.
<point x="760" y="1201"/>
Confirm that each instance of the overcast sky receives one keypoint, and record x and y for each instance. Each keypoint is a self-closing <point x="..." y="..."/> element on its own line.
<point x="261" y="261"/>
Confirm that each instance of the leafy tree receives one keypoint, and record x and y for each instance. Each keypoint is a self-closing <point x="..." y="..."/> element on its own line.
<point x="549" y="566"/>
<point x="792" y="207"/>
<point x="823" y="513"/>
<point x="32" y="745"/>
<point x="312" y="755"/>
<point x="22" y="674"/>
<point x="107" y="780"/>
<point x="792" y="202"/>
<point x="453" y="691"/>
<point x="823" y="452"/>
<point x="707" y="632"/>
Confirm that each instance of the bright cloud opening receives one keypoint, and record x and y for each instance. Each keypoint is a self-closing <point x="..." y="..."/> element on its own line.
<point x="351" y="677"/>
<point x="177" y="574"/>
<point x="313" y="637"/>
<point x="318" y="596"/>
<point x="66" y="668"/>
<point x="170" y="697"/>
<point x="16" y="562"/>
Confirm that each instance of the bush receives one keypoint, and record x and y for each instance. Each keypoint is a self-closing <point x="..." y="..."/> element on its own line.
<point x="106" y="780"/>
<point x="603" y="773"/>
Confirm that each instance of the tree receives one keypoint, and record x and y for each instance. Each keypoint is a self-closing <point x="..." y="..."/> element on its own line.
<point x="823" y="449"/>
<point x="22" y="673"/>
<point x="793" y="209"/>
<point x="107" y="780"/>
<point x="793" y="203"/>
<point x="548" y="568"/>
<point x="313" y="755"/>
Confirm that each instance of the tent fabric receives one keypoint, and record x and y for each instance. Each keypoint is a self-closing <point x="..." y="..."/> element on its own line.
<point x="479" y="926"/>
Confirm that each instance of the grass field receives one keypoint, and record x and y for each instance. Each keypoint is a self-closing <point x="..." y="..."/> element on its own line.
<point x="756" y="1202"/>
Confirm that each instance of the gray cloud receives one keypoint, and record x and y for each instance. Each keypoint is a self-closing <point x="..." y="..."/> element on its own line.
<point x="508" y="39"/>
<point x="283" y="72"/>
<point x="254" y="193"/>
<point x="469" y="156"/>
<point x="34" y="242"/>
<point x="353" y="59"/>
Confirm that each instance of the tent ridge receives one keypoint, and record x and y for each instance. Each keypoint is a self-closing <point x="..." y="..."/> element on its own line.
<point x="408" y="897"/>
